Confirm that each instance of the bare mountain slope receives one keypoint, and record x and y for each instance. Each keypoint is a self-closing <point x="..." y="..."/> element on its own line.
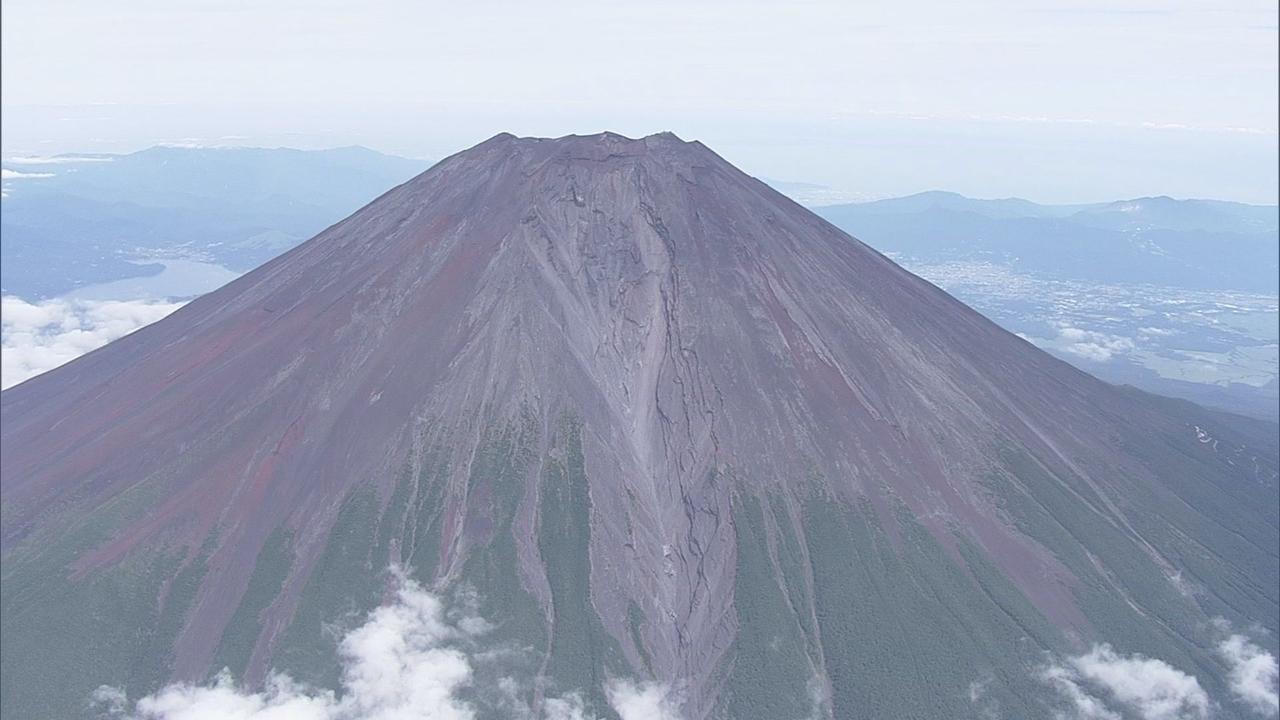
<point x="668" y="424"/>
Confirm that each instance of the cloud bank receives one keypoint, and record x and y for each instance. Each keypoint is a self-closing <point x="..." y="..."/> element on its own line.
<point x="36" y="337"/>
<point x="1090" y="344"/>
<point x="646" y="701"/>
<point x="7" y="174"/>
<point x="411" y="659"/>
<point x="56" y="159"/>
<point x="1253" y="675"/>
<point x="1102" y="683"/>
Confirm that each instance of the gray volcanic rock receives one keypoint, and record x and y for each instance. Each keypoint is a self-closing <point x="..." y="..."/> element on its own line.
<point x="666" y="423"/>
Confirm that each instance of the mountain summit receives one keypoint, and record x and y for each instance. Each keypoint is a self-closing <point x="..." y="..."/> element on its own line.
<point x="655" y="422"/>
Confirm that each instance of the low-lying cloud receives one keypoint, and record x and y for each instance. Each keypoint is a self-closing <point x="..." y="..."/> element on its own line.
<point x="36" y="337"/>
<point x="1101" y="684"/>
<point x="7" y="174"/>
<point x="56" y="159"/>
<point x="1253" y="674"/>
<point x="1090" y="344"/>
<point x="984" y="705"/>
<point x="412" y="659"/>
<point x="645" y="701"/>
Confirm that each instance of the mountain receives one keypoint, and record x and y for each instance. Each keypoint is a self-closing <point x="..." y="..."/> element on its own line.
<point x="1177" y="297"/>
<point x="85" y="220"/>
<point x="1186" y="215"/>
<point x="655" y="424"/>
<point x="1139" y="213"/>
<point x="955" y="202"/>
<point x="1196" y="244"/>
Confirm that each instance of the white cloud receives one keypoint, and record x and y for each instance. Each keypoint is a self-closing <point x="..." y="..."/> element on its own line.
<point x="410" y="660"/>
<point x="1253" y="674"/>
<point x="7" y="174"/>
<point x="566" y="708"/>
<point x="645" y="701"/>
<point x="1157" y="690"/>
<point x="281" y="700"/>
<point x="1152" y="689"/>
<point x="1083" y="705"/>
<point x="986" y="707"/>
<point x="1088" y="344"/>
<point x="1092" y="345"/>
<point x="36" y="337"/>
<point x="56" y="160"/>
<point x="396" y="662"/>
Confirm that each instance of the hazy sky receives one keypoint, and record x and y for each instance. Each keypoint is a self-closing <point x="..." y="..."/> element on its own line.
<point x="1052" y="100"/>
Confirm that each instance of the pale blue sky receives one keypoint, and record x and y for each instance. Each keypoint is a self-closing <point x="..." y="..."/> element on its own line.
<point x="1052" y="100"/>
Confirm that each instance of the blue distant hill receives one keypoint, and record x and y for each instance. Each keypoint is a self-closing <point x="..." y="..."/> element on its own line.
<point x="1202" y="244"/>
<point x="94" y="219"/>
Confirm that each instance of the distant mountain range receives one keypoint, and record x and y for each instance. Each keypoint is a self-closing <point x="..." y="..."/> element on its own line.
<point x="1200" y="244"/>
<point x="75" y="221"/>
<point x="1162" y="211"/>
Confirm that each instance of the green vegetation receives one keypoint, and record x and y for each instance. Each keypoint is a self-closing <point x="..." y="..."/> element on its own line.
<point x="792" y="563"/>
<point x="898" y="618"/>
<point x="635" y="618"/>
<point x="771" y="669"/>
<point x="103" y="628"/>
<point x="1215" y="498"/>
<point x="496" y="487"/>
<point x="343" y="586"/>
<point x="426" y="516"/>
<point x="1058" y="515"/>
<point x="270" y="570"/>
<point x="152" y="666"/>
<point x="581" y="650"/>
